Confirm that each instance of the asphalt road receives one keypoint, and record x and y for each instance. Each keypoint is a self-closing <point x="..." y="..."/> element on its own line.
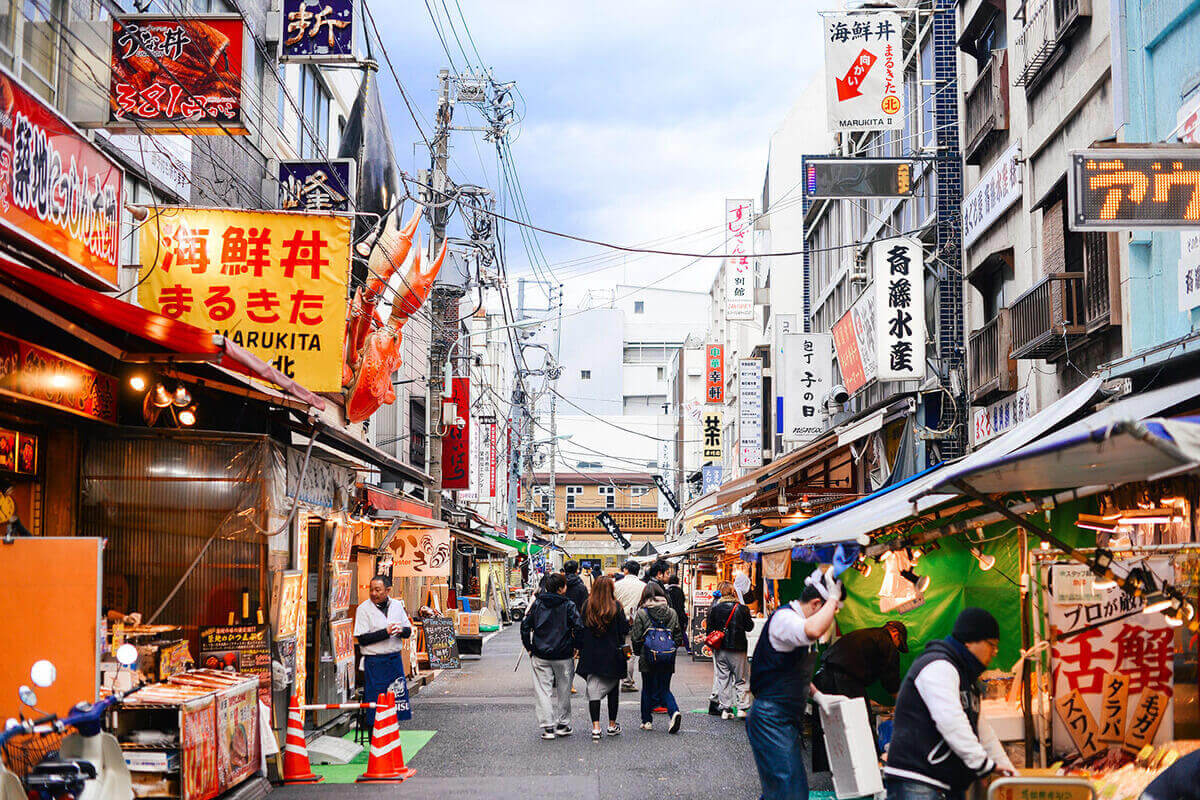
<point x="488" y="744"/>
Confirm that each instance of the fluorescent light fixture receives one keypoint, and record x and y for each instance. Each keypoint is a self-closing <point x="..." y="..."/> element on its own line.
<point x="1103" y="584"/>
<point x="1093" y="522"/>
<point x="1156" y="603"/>
<point x="1148" y="516"/>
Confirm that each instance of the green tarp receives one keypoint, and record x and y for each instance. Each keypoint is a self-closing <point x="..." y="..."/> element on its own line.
<point x="521" y="547"/>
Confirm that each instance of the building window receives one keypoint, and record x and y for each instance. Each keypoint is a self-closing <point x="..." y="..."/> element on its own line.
<point x="639" y="307"/>
<point x="314" y="108"/>
<point x="637" y="493"/>
<point x="573" y="492"/>
<point x="416" y="432"/>
<point x="661" y="372"/>
<point x="29" y="43"/>
<point x="585" y="374"/>
<point x="588" y="464"/>
<point x="543" y="498"/>
<point x="928" y="117"/>
<point x="609" y="494"/>
<point x="281" y="98"/>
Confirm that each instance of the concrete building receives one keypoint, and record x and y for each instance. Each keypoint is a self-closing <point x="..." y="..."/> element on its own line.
<point x="686" y="393"/>
<point x="1043" y="303"/>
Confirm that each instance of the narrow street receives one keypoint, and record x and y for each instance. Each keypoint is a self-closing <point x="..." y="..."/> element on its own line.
<point x="487" y="746"/>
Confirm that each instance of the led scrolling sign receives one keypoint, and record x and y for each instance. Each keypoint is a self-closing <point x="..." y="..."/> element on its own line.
<point x="1122" y="189"/>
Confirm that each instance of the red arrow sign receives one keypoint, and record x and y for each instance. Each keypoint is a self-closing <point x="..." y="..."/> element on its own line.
<point x="847" y="87"/>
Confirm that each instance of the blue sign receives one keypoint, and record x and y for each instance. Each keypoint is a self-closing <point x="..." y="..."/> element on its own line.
<point x="710" y="478"/>
<point x="316" y="185"/>
<point x="317" y="31"/>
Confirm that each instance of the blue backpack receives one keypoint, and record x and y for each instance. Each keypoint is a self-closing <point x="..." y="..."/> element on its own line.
<point x="658" y="648"/>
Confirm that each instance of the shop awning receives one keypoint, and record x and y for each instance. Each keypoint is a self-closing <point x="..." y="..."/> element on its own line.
<point x="486" y="542"/>
<point x="128" y="332"/>
<point x="520" y="547"/>
<point x="855" y="522"/>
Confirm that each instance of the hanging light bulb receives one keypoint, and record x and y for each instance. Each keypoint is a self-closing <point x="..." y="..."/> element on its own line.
<point x="162" y="398"/>
<point x="986" y="562"/>
<point x="187" y="417"/>
<point x="1045" y="545"/>
<point x="919" y="581"/>
<point x="182" y="396"/>
<point x="137" y="383"/>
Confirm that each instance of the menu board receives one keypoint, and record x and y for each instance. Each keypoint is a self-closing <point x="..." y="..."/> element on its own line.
<point x="239" y="648"/>
<point x="198" y="738"/>
<point x="339" y="591"/>
<point x="288" y="619"/>
<point x="701" y="603"/>
<point x="237" y="734"/>
<point x="441" y="643"/>
<point x="343" y="541"/>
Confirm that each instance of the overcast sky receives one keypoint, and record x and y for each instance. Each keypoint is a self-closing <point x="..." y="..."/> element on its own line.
<point x="640" y="117"/>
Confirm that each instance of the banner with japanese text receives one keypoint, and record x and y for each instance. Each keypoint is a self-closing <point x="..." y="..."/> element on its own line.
<point x="864" y="69"/>
<point x="714" y="373"/>
<point x="456" y="444"/>
<point x="854" y="342"/>
<point x="1098" y="632"/>
<point x="272" y="282"/>
<point x="739" y="265"/>
<point x="750" y="412"/>
<point x="319" y="31"/>
<point x="899" y="309"/>
<point x="807" y="381"/>
<point x="711" y="433"/>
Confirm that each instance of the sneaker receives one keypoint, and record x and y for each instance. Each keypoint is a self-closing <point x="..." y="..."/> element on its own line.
<point x="660" y="710"/>
<point x="647" y="726"/>
<point x="596" y="735"/>
<point x="563" y="730"/>
<point x="548" y="733"/>
<point x="676" y="721"/>
<point x="741" y="713"/>
<point x="574" y="690"/>
<point x="726" y="714"/>
<point x="614" y="729"/>
<point x="714" y="708"/>
<point x="628" y="686"/>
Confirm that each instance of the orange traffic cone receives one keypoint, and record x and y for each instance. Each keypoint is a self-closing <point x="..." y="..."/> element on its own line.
<point x="385" y="764"/>
<point x="296" y="768"/>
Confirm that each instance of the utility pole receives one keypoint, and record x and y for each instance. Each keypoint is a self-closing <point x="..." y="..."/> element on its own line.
<point x="445" y="295"/>
<point x="552" y="375"/>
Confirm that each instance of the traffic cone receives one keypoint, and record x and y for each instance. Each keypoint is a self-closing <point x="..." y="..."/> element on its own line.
<point x="382" y="766"/>
<point x="296" y="768"/>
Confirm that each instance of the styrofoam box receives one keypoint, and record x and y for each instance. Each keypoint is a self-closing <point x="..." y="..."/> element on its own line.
<point x="152" y="760"/>
<point x="851" y="749"/>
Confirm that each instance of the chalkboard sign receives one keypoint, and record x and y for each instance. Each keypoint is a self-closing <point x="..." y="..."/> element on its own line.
<point x="440" y="643"/>
<point x="699" y="630"/>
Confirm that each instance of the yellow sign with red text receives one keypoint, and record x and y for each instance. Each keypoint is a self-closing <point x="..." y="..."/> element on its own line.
<point x="273" y="282"/>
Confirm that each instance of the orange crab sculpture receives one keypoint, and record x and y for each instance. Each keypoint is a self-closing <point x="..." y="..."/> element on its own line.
<point x="373" y="354"/>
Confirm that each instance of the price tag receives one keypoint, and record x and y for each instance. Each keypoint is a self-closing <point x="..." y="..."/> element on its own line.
<point x="1147" y="716"/>
<point x="1080" y="723"/>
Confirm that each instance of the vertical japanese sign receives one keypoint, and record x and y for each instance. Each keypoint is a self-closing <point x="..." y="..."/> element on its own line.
<point x="714" y="374"/>
<point x="899" y="309"/>
<point x="316" y="185"/>
<point x="58" y="192"/>
<point x="456" y="444"/>
<point x="493" y="460"/>
<point x="317" y="31"/>
<point x="270" y="281"/>
<point x="750" y="412"/>
<point x="710" y="433"/>
<point x="864" y="58"/>
<point x="1092" y="640"/>
<point x="170" y="73"/>
<point x="739" y="263"/>
<point x="807" y="381"/>
<point x="854" y="341"/>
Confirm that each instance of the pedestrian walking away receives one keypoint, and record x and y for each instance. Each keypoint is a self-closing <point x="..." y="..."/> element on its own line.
<point x="731" y="667"/>
<point x="381" y="625"/>
<point x="658" y="573"/>
<point x="577" y="591"/>
<point x="677" y="601"/>
<point x="780" y="679"/>
<point x="941" y="744"/>
<point x="656" y="635"/>
<point x="628" y="591"/>
<point x="548" y="632"/>
<point x="602" y="654"/>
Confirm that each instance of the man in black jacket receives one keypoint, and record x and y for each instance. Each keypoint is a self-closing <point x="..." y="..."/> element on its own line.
<point x="940" y="742"/>
<point x="577" y="591"/>
<point x="548" y="632"/>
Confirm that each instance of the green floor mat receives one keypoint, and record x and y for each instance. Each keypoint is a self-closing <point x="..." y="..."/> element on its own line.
<point x="411" y="743"/>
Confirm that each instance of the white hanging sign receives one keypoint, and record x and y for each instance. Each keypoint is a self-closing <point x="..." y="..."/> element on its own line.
<point x="864" y="71"/>
<point x="739" y="262"/>
<point x="899" y="273"/>
<point x="807" y="380"/>
<point x="750" y="412"/>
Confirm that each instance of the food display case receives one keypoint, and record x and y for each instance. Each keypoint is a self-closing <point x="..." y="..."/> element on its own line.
<point x="1118" y="775"/>
<point x="191" y="737"/>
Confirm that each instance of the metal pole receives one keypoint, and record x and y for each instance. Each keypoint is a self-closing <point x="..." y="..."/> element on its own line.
<point x="444" y="305"/>
<point x="553" y="515"/>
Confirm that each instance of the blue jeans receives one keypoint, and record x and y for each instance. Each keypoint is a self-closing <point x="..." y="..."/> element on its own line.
<point x="656" y="692"/>
<point x="774" y="731"/>
<point x="900" y="789"/>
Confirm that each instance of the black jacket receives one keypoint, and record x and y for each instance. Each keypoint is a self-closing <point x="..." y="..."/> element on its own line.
<point x="602" y="654"/>
<point x="675" y="600"/>
<point x="577" y="592"/>
<point x="864" y="656"/>
<point x="654" y="615"/>
<point x="741" y="624"/>
<point x="549" y="627"/>
<point x="917" y="750"/>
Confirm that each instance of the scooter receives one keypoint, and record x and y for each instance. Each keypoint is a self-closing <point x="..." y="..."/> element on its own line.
<point x="89" y="764"/>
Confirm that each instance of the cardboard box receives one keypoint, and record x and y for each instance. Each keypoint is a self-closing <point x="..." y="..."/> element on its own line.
<point x="467" y="624"/>
<point x="851" y="749"/>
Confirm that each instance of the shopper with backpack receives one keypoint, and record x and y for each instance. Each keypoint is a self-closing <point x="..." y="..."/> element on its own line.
<point x="656" y="634"/>
<point x="728" y="623"/>
<point x="548" y="632"/>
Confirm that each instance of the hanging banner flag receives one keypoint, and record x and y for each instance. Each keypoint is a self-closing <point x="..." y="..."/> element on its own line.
<point x="272" y="282"/>
<point x="606" y="520"/>
<point x="493" y="460"/>
<point x="317" y="31"/>
<point x="899" y="273"/>
<point x="807" y="381"/>
<point x="666" y="493"/>
<point x="864" y="65"/>
<point x="315" y="185"/>
<point x="710" y="478"/>
<point x="714" y="373"/>
<point x="750" y="412"/>
<point x="854" y="341"/>
<point x="170" y="73"/>
<point x="710" y="431"/>
<point x="456" y="444"/>
<point x="58" y="192"/>
<point x="739" y="264"/>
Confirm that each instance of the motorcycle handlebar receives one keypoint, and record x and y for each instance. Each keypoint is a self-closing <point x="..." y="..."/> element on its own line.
<point x="85" y="718"/>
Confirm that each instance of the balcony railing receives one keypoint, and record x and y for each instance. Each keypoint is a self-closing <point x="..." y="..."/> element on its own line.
<point x="1048" y="23"/>
<point x="991" y="370"/>
<point x="579" y="520"/>
<point x="1049" y="318"/>
<point x="986" y="106"/>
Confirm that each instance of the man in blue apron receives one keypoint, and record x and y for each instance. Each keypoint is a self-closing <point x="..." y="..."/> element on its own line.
<point x="780" y="680"/>
<point x="381" y="626"/>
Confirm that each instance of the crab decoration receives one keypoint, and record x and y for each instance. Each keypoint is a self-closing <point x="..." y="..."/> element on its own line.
<point x="372" y="352"/>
